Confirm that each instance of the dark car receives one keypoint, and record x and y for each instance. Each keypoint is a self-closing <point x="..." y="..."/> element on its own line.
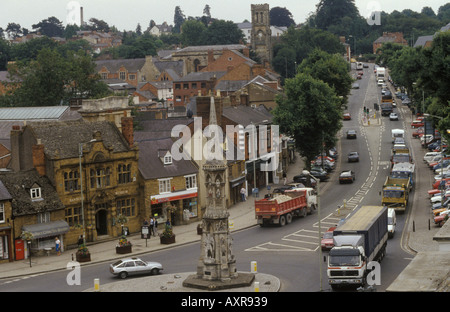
<point x="303" y="179"/>
<point x="134" y="266"/>
<point x="347" y="176"/>
<point x="351" y="134"/>
<point x="319" y="173"/>
<point x="353" y="157"/>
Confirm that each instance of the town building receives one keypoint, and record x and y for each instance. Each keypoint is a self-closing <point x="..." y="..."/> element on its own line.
<point x="394" y="37"/>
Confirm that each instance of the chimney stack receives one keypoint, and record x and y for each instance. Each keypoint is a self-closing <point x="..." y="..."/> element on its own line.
<point x="127" y="130"/>
<point x="39" y="157"/>
<point x="81" y="17"/>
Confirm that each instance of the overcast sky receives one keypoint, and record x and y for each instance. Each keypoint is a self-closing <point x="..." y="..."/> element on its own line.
<point x="126" y="14"/>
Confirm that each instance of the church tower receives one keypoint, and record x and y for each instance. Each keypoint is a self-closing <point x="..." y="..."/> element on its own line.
<point x="261" y="33"/>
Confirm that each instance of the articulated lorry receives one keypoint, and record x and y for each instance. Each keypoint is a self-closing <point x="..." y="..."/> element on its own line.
<point x="281" y="208"/>
<point x="362" y="238"/>
<point x="395" y="193"/>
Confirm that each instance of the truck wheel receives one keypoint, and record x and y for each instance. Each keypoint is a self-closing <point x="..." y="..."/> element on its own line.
<point x="303" y="212"/>
<point x="282" y="220"/>
<point x="288" y="218"/>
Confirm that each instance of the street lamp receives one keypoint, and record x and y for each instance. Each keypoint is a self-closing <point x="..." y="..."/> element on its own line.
<point x="307" y="173"/>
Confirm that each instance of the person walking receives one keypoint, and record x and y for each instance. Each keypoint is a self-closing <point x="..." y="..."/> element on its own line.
<point x="284" y="177"/>
<point x="58" y="246"/>
<point x="243" y="191"/>
<point x="151" y="227"/>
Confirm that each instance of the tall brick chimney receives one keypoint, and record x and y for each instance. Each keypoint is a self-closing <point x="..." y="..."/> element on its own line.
<point x="39" y="157"/>
<point x="16" y="148"/>
<point x="127" y="130"/>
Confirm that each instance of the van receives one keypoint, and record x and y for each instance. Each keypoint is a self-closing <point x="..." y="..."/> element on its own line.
<point x="430" y="155"/>
<point x="392" y="222"/>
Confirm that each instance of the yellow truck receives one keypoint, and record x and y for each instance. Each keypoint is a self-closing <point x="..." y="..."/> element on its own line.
<point x="395" y="193"/>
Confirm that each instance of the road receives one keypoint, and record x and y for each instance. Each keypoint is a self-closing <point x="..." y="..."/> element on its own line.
<point x="290" y="252"/>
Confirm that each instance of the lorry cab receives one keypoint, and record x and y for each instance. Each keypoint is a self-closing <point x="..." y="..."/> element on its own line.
<point x="392" y="222"/>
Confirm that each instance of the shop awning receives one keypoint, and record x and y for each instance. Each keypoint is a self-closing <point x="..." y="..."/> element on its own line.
<point x="162" y="198"/>
<point x="47" y="229"/>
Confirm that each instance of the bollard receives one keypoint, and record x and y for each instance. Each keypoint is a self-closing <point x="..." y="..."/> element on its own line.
<point x="414" y="226"/>
<point x="96" y="284"/>
<point x="253" y="267"/>
<point x="256" y="286"/>
<point x="230" y="224"/>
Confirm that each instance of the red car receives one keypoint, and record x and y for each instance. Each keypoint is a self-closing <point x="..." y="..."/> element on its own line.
<point x="440" y="220"/>
<point x="417" y="123"/>
<point x="327" y="239"/>
<point x="436" y="184"/>
<point x="418" y="132"/>
<point x="347" y="116"/>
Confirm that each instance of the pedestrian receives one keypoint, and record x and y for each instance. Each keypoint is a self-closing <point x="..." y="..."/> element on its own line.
<point x="155" y="226"/>
<point x="80" y="240"/>
<point x="243" y="191"/>
<point x="58" y="246"/>
<point x="284" y="177"/>
<point x="151" y="227"/>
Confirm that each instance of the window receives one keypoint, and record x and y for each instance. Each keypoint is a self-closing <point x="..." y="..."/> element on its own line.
<point x="124" y="173"/>
<point x="35" y="193"/>
<point x="100" y="177"/>
<point x="73" y="216"/>
<point x="185" y="86"/>
<point x="194" y="85"/>
<point x="164" y="186"/>
<point x="126" y="207"/>
<point x="2" y="213"/>
<point x="177" y="86"/>
<point x="104" y="75"/>
<point x="122" y="75"/>
<point x="43" y="217"/>
<point x="71" y="180"/>
<point x="191" y="181"/>
<point x="131" y="77"/>
<point x="167" y="159"/>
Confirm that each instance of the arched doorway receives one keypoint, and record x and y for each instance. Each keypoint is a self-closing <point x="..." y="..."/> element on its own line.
<point x="101" y="224"/>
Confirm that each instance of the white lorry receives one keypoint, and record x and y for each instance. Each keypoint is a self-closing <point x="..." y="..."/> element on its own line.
<point x="381" y="73"/>
<point x="362" y="238"/>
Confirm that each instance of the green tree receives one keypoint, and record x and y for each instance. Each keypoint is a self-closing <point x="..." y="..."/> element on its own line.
<point x="5" y="51"/>
<point x="309" y="113"/>
<point x="50" y="27"/>
<point x="281" y="17"/>
<point x="331" y="12"/>
<point x="178" y="19"/>
<point x="331" y="69"/>
<point x="223" y="32"/>
<point x="193" y="33"/>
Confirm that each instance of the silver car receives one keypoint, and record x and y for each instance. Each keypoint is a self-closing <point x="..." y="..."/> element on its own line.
<point x="134" y="266"/>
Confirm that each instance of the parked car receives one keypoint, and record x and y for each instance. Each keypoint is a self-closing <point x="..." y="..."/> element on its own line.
<point x="355" y="85"/>
<point x="303" y="179"/>
<point x="351" y="134"/>
<point x="353" y="157"/>
<point x="347" y="176"/>
<point x="441" y="218"/>
<point x="327" y="239"/>
<point x="417" y="123"/>
<point x="134" y="266"/>
<point x="393" y="116"/>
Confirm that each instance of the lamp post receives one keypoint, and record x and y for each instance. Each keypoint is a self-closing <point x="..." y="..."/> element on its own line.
<point x="307" y="173"/>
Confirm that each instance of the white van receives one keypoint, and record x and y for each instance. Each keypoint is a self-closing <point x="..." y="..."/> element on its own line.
<point x="397" y="133"/>
<point x="392" y="221"/>
<point x="430" y="155"/>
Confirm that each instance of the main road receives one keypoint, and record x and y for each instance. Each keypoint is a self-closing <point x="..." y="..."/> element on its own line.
<point x="290" y="252"/>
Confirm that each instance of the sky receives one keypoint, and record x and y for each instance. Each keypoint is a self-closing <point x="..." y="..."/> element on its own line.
<point x="126" y="14"/>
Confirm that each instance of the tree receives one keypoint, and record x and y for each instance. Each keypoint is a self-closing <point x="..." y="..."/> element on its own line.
<point x="13" y="30"/>
<point x="331" y="69"/>
<point x="178" y="19"/>
<point x="281" y="17"/>
<point x="98" y="25"/>
<point x="50" y="27"/>
<point x="223" y="32"/>
<point x="309" y="113"/>
<point x="331" y="12"/>
<point x="193" y="33"/>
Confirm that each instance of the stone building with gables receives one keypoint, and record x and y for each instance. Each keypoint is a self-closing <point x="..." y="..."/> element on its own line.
<point x="107" y="184"/>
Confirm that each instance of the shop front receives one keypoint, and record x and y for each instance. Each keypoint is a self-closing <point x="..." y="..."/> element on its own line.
<point x="44" y="235"/>
<point x="179" y="207"/>
<point x="5" y="245"/>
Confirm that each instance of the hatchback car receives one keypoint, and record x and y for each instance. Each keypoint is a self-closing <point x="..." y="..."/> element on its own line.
<point x="347" y="116"/>
<point x="353" y="157"/>
<point x="347" y="176"/>
<point x="134" y="266"/>
<point x="351" y="134"/>
<point x="327" y="239"/>
<point x="393" y="116"/>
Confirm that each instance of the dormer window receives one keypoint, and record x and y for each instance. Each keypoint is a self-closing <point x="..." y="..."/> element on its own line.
<point x="35" y="192"/>
<point x="168" y="159"/>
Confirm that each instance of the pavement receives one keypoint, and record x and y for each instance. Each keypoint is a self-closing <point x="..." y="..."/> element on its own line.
<point x="417" y="238"/>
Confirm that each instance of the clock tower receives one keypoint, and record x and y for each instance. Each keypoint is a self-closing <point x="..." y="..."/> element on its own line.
<point x="261" y="34"/>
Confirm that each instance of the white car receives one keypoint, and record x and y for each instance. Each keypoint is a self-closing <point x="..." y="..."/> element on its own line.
<point x="430" y="155"/>
<point x="393" y="116"/>
<point x="380" y="82"/>
<point x="134" y="266"/>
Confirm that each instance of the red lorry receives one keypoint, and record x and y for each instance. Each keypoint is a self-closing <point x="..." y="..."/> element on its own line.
<point x="280" y="209"/>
